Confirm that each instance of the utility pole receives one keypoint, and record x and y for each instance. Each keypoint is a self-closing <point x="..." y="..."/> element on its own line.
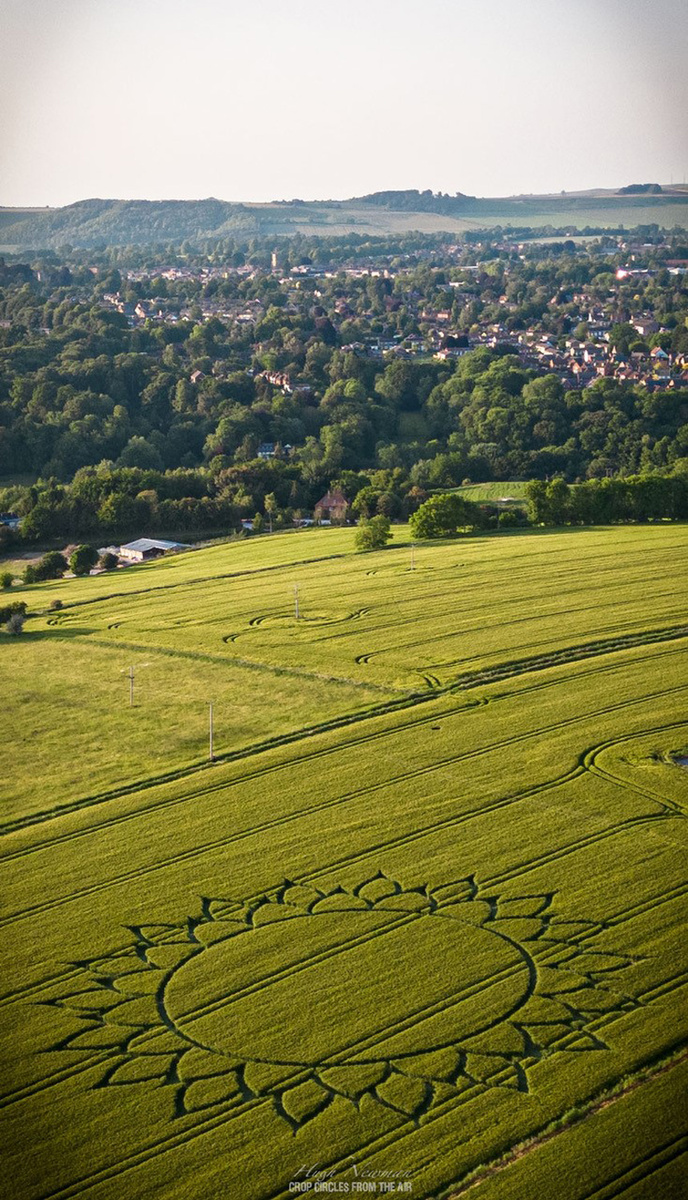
<point x="296" y="601"/>
<point x="129" y="671"/>
<point x="211" y="754"/>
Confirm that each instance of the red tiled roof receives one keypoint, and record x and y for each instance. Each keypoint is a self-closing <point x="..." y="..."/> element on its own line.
<point x="333" y="499"/>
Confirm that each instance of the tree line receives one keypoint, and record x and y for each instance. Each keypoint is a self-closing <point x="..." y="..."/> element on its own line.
<point x="651" y="497"/>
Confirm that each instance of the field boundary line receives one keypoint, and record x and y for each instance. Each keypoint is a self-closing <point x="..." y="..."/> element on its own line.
<point x="208" y="847"/>
<point x="447" y="1107"/>
<point x="603" y="1100"/>
<point x="411" y="699"/>
<point x="310" y="755"/>
<point x="591" y="764"/>
<point x="248" y="664"/>
<point x="194" y="851"/>
<point x="468" y="629"/>
<point x="407" y="1128"/>
<point x="205" y="579"/>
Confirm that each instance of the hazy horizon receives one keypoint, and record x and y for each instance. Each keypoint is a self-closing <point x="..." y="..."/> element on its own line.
<point x="285" y="200"/>
<point x="165" y="100"/>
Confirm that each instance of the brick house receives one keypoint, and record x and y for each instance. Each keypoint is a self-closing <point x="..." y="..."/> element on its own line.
<point x="333" y="506"/>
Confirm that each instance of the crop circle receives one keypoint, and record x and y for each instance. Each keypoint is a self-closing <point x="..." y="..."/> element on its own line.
<point x="359" y="985"/>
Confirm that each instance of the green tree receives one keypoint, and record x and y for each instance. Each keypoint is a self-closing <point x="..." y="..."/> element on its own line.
<point x="270" y="507"/>
<point x="52" y="566"/>
<point x="82" y="559"/>
<point x="621" y="335"/>
<point x="548" y="503"/>
<point x="365" y="502"/>
<point x="11" y="610"/>
<point x="119" y="511"/>
<point x="139" y="452"/>
<point x="373" y="534"/>
<point x="108" y="561"/>
<point x="443" y="515"/>
<point x="6" y="580"/>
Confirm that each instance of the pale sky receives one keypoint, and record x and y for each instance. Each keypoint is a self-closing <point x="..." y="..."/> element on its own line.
<point x="319" y="99"/>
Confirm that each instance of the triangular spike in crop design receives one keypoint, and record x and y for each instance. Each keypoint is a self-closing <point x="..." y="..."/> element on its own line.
<point x="310" y="994"/>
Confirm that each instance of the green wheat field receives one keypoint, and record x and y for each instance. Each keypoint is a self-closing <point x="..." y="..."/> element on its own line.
<point x="417" y="930"/>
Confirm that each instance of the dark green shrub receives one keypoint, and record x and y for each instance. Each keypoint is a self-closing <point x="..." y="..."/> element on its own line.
<point x="52" y="566"/>
<point x="83" y="558"/>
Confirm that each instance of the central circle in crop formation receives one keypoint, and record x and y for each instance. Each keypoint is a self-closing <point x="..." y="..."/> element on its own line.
<point x="347" y="987"/>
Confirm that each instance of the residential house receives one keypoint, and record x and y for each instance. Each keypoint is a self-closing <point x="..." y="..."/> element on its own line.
<point x="645" y="326"/>
<point x="449" y="353"/>
<point x="333" y="506"/>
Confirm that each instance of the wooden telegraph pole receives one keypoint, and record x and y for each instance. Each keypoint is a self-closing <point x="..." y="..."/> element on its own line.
<point x="130" y="672"/>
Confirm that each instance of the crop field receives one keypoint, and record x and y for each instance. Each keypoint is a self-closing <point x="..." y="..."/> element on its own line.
<point x="421" y="922"/>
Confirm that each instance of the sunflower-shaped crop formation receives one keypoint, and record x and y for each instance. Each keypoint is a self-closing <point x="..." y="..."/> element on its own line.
<point x="405" y="996"/>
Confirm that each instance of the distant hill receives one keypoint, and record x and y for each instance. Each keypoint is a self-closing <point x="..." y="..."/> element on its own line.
<point x="415" y="201"/>
<point x="96" y="223"/>
<point x="120" y="221"/>
<point x="638" y="189"/>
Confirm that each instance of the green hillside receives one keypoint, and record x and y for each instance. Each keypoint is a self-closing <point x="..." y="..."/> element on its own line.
<point x="508" y="490"/>
<point x="126" y="222"/>
<point x="420" y="922"/>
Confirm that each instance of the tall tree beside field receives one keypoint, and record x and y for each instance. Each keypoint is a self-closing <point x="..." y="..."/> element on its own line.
<point x="443" y="515"/>
<point x="548" y="503"/>
<point x="270" y="508"/>
<point x="373" y="534"/>
<point x="82" y="559"/>
<point x="52" y="566"/>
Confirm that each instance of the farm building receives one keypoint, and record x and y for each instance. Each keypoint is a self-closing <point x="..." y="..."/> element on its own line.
<point x="332" y="507"/>
<point x="144" y="548"/>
